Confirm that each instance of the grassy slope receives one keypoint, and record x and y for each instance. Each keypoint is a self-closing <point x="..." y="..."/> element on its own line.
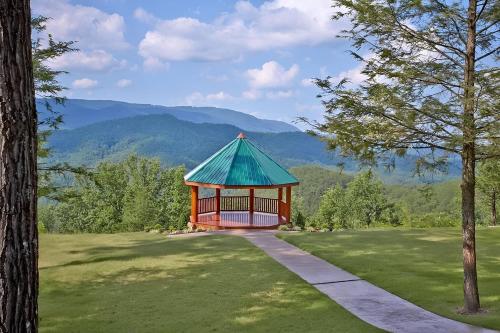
<point x="147" y="283"/>
<point x="423" y="266"/>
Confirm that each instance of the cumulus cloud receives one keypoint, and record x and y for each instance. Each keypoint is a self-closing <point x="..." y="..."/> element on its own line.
<point x="198" y="98"/>
<point x="279" y="94"/>
<point x="353" y="75"/>
<point x="144" y="16"/>
<point x="123" y="83"/>
<point x="271" y="75"/>
<point x="154" y="64"/>
<point x="97" y="60"/>
<point x="273" y="25"/>
<point x="91" y="27"/>
<point x="84" y="83"/>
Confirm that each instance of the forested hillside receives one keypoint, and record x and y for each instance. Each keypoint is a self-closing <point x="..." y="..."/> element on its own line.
<point x="178" y="142"/>
<point x="80" y="112"/>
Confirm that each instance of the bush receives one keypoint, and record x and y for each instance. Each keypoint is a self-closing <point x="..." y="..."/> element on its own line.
<point x="299" y="220"/>
<point x="434" y="220"/>
<point x="41" y="228"/>
<point x="283" y="228"/>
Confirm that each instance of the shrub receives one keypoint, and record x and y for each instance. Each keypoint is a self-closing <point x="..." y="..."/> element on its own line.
<point x="41" y="228"/>
<point x="283" y="228"/>
<point x="434" y="220"/>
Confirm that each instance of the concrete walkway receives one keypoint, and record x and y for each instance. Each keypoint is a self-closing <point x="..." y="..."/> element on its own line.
<point x="366" y="301"/>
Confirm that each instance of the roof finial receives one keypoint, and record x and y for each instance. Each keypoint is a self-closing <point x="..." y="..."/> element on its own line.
<point x="242" y="135"/>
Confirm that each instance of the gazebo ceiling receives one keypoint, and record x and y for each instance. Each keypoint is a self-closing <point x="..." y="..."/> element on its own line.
<point x="240" y="164"/>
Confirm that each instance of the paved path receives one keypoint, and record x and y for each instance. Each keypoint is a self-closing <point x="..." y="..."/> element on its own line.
<point x="366" y="301"/>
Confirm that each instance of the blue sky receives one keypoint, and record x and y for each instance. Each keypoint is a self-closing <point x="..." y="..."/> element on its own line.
<point x="252" y="56"/>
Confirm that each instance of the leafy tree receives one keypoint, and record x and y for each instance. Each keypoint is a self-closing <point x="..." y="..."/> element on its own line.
<point x="332" y="210"/>
<point x="431" y="89"/>
<point x="18" y="172"/>
<point x="131" y="195"/>
<point x="488" y="182"/>
<point x="362" y="204"/>
<point x="366" y="200"/>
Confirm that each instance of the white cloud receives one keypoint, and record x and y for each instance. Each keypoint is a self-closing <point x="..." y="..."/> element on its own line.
<point x="279" y="94"/>
<point x="353" y="75"/>
<point x="251" y="94"/>
<point x="84" y="83"/>
<point x="275" y="24"/>
<point x="142" y="15"/>
<point x="198" y="98"/>
<point x="91" y="27"/>
<point x="271" y="75"/>
<point x="97" y="60"/>
<point x="123" y="83"/>
<point x="155" y="64"/>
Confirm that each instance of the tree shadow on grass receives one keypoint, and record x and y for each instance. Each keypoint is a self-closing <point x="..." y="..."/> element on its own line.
<point x="206" y="284"/>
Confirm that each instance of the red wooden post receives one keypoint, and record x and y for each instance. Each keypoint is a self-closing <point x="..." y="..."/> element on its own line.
<point x="251" y="207"/>
<point x="280" y="199"/>
<point x="217" y="204"/>
<point x="194" y="204"/>
<point x="288" y="202"/>
<point x="252" y="199"/>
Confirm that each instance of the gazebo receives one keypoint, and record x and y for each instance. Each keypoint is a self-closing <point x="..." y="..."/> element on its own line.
<point x="240" y="165"/>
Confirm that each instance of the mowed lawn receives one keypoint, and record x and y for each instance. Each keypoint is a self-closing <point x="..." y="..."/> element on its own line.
<point x="423" y="266"/>
<point x="140" y="282"/>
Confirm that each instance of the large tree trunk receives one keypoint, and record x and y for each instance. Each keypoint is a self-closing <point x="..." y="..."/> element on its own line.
<point x="494" y="208"/>
<point x="471" y="293"/>
<point x="18" y="173"/>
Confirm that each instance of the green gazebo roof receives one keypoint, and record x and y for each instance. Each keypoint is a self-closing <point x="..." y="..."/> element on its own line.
<point x="240" y="163"/>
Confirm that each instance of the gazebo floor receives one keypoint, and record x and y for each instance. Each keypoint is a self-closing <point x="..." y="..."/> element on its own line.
<point x="240" y="220"/>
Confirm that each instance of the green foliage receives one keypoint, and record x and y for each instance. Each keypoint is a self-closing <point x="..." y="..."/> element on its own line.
<point x="178" y="142"/>
<point x="361" y="204"/>
<point x="314" y="182"/>
<point x="298" y="218"/>
<point x="132" y="195"/>
<point x="431" y="220"/>
<point x="488" y="183"/>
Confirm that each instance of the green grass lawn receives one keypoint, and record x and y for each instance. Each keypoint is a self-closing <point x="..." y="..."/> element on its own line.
<point x="423" y="266"/>
<point x="142" y="282"/>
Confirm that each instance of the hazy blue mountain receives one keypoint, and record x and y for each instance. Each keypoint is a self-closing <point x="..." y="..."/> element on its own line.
<point x="79" y="112"/>
<point x="177" y="142"/>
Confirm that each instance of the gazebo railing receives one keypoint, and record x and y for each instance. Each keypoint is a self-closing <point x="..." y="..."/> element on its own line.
<point x="266" y="205"/>
<point x="234" y="203"/>
<point x="207" y="205"/>
<point x="240" y="203"/>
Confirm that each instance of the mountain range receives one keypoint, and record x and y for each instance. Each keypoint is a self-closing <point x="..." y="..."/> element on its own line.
<point x="80" y="112"/>
<point x="180" y="142"/>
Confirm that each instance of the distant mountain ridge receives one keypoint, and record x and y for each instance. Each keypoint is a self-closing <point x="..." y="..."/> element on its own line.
<point x="178" y="142"/>
<point x="80" y="112"/>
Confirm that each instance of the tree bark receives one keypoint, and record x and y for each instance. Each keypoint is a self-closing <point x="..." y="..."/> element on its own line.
<point x="494" y="208"/>
<point x="18" y="172"/>
<point x="471" y="293"/>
